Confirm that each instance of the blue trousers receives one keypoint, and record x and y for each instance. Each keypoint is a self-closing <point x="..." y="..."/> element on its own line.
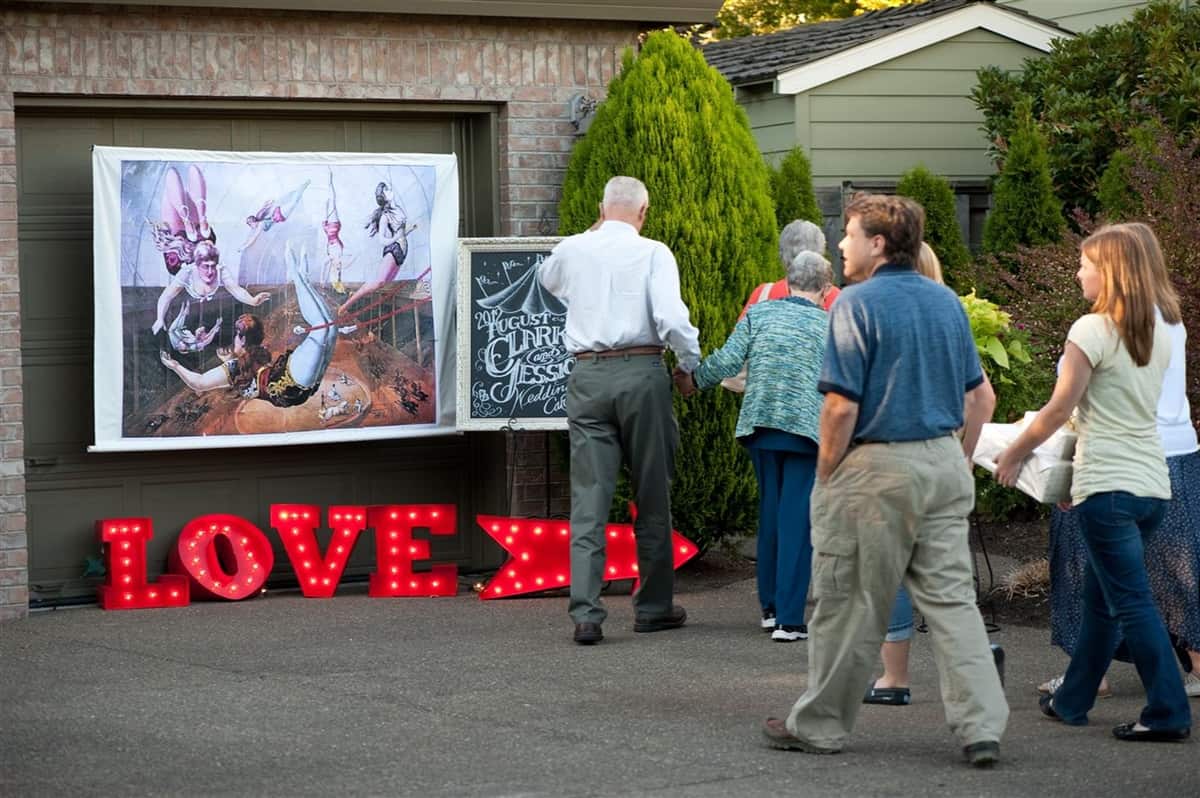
<point x="785" y="482"/>
<point x="900" y="624"/>
<point x="1117" y="602"/>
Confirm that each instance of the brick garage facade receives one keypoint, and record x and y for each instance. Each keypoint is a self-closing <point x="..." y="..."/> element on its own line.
<point x="530" y="68"/>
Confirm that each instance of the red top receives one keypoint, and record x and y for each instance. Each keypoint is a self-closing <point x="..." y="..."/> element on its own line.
<point x="780" y="290"/>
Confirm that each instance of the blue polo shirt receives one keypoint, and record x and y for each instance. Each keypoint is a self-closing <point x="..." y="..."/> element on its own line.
<point x="901" y="347"/>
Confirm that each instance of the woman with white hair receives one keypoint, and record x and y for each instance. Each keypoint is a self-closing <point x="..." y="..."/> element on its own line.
<point x="798" y="236"/>
<point x="783" y="342"/>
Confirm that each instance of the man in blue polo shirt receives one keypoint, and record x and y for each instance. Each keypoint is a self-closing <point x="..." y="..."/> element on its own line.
<point x="901" y="378"/>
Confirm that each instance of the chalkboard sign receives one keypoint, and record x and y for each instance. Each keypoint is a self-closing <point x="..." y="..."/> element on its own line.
<point x="512" y="367"/>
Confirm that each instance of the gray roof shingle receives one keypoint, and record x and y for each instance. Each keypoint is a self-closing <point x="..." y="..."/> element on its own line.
<point x="753" y="59"/>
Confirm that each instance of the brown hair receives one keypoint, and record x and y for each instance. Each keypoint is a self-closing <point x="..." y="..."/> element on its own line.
<point x="899" y="220"/>
<point x="251" y="329"/>
<point x="253" y="355"/>
<point x="1130" y="261"/>
<point x="928" y="264"/>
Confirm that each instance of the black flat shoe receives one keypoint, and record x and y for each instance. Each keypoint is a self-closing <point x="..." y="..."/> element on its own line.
<point x="1047" y="707"/>
<point x="888" y="696"/>
<point x="1128" y="733"/>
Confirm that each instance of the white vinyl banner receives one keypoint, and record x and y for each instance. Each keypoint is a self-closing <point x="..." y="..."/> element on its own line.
<point x="254" y="298"/>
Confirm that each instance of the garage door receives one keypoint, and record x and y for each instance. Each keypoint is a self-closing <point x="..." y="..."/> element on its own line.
<point x="68" y="489"/>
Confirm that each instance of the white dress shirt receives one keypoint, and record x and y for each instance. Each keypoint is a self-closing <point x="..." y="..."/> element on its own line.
<point x="621" y="290"/>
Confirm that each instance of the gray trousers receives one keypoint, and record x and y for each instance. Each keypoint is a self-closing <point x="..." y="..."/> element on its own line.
<point x="618" y="409"/>
<point x="892" y="513"/>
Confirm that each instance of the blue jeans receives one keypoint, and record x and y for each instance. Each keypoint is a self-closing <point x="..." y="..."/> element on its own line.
<point x="900" y="624"/>
<point x="785" y="482"/>
<point x="1117" y="602"/>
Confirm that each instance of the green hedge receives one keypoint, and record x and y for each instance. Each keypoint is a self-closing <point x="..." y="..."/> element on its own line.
<point x="941" y="223"/>
<point x="792" y="188"/>
<point x="1025" y="211"/>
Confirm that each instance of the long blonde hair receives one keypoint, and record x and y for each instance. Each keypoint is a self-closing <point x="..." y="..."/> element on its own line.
<point x="1133" y="281"/>
<point x="928" y="264"/>
<point x="1166" y="297"/>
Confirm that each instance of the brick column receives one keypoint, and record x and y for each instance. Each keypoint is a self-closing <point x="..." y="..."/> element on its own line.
<point x="14" y="558"/>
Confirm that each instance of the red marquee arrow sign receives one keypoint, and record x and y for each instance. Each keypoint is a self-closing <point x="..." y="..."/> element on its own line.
<point x="540" y="554"/>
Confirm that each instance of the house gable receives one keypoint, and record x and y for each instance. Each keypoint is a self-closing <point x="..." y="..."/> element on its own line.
<point x="1018" y="28"/>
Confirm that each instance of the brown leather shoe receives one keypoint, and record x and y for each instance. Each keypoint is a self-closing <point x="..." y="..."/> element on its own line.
<point x="657" y="623"/>
<point x="587" y="634"/>
<point x="775" y="732"/>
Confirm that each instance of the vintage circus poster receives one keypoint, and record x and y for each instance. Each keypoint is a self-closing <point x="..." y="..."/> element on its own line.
<point x="272" y="298"/>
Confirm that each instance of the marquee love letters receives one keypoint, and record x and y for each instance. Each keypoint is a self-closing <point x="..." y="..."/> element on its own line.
<point x="225" y="557"/>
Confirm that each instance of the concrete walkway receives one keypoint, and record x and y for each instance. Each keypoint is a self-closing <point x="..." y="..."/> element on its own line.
<point x="455" y="697"/>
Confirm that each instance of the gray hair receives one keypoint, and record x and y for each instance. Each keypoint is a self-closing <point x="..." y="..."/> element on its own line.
<point x="626" y="192"/>
<point x="809" y="272"/>
<point x="800" y="236"/>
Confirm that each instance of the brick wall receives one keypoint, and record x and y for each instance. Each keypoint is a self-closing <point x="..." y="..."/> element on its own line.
<point x="532" y="67"/>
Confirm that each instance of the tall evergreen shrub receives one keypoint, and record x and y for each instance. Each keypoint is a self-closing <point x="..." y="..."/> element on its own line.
<point x="941" y="222"/>
<point x="671" y="121"/>
<point x="792" y="188"/>
<point x="1025" y="211"/>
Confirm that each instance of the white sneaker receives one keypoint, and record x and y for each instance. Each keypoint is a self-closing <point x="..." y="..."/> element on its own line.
<point x="1191" y="684"/>
<point x="768" y="621"/>
<point x="1050" y="687"/>
<point x="789" y="634"/>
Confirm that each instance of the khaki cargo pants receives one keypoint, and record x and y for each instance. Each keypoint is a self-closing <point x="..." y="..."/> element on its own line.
<point x="895" y="512"/>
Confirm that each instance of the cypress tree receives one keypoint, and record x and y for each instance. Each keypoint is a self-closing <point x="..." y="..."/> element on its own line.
<point x="670" y="120"/>
<point x="792" y="187"/>
<point x="941" y="221"/>
<point x="1025" y="211"/>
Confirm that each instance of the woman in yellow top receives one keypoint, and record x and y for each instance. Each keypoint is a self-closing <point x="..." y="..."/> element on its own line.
<point x="1112" y="373"/>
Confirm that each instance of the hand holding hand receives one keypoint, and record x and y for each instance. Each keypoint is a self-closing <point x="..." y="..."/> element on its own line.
<point x="684" y="382"/>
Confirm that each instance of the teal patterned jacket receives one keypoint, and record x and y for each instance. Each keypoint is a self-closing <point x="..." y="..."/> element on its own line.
<point x="783" y="341"/>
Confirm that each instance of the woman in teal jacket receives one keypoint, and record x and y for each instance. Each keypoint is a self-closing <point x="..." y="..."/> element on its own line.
<point x="783" y="343"/>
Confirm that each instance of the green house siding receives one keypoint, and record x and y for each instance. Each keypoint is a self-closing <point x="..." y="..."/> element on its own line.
<point x="772" y="119"/>
<point x="1079" y="15"/>
<point x="881" y="122"/>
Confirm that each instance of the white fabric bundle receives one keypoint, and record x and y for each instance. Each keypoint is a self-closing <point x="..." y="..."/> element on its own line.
<point x="1046" y="474"/>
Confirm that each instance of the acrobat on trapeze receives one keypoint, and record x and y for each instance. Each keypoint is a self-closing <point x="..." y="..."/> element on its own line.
<point x="287" y="380"/>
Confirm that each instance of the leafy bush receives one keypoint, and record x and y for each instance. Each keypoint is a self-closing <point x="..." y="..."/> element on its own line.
<point x="671" y="121"/>
<point x="792" y="188"/>
<point x="941" y="222"/>
<point x="1093" y="89"/>
<point x="1020" y="385"/>
<point x="1003" y="351"/>
<point x="1025" y="211"/>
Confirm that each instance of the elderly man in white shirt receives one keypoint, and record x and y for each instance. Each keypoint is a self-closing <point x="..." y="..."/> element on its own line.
<point x="623" y="307"/>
